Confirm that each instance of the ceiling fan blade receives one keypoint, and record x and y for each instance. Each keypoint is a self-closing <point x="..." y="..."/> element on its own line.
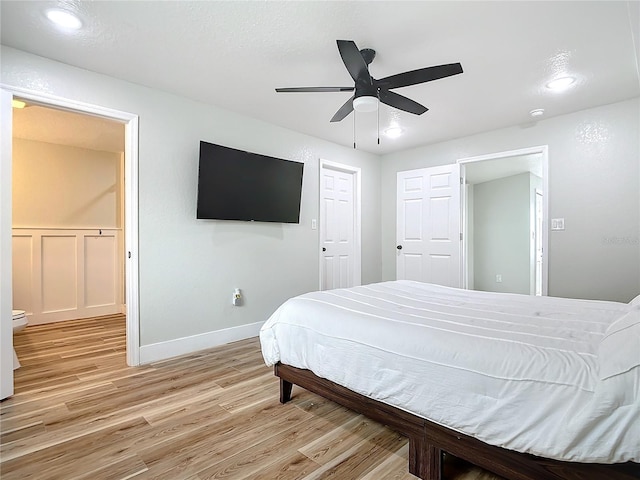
<point x="353" y="60"/>
<point x="343" y="111"/>
<point x="402" y="103"/>
<point x="315" y="89"/>
<point x="421" y="75"/>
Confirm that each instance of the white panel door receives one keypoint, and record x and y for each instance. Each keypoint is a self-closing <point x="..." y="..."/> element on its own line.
<point x="428" y="225"/>
<point x="337" y="229"/>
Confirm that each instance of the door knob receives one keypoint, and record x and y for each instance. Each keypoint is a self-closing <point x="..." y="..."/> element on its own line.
<point x="399" y="247"/>
<point x="324" y="249"/>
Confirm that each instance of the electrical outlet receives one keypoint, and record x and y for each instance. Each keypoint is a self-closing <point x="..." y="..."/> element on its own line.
<point x="314" y="224"/>
<point x="498" y="278"/>
<point x="236" y="300"/>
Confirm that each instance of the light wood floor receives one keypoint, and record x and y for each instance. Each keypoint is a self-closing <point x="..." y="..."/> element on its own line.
<point x="80" y="413"/>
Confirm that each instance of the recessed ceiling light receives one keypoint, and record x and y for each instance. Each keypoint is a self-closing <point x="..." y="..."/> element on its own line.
<point x="561" y="83"/>
<point x="63" y="19"/>
<point x="538" y="112"/>
<point x="393" y="132"/>
<point x="18" y="103"/>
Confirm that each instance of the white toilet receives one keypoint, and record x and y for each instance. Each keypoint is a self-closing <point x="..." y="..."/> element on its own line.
<point x="20" y="321"/>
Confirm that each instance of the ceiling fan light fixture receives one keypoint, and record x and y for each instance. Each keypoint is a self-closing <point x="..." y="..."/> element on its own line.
<point x="365" y="103"/>
<point x="369" y="92"/>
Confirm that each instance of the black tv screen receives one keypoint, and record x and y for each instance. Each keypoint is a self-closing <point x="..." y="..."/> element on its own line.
<point x="238" y="185"/>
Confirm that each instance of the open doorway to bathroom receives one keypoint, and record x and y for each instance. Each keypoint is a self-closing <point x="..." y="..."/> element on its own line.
<point x="130" y="122"/>
<point x="67" y="215"/>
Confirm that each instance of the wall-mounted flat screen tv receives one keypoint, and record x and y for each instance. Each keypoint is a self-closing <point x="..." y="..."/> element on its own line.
<point x="238" y="185"/>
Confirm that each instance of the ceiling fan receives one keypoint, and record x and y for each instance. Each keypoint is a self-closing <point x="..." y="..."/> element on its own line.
<point x="368" y="90"/>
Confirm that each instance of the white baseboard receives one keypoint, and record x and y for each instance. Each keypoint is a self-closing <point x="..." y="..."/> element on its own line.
<point x="72" y="314"/>
<point x="182" y="346"/>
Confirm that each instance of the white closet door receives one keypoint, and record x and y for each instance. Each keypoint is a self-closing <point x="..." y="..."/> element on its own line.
<point x="428" y="225"/>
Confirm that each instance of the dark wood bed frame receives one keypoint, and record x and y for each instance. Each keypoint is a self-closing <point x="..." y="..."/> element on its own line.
<point x="428" y="440"/>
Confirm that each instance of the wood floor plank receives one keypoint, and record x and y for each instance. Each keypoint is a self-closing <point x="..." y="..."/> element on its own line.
<point x="64" y="456"/>
<point x="21" y="431"/>
<point x="362" y="457"/>
<point x="291" y="466"/>
<point x="339" y="440"/>
<point x="394" y="467"/>
<point x="248" y="462"/>
<point x="123" y="469"/>
<point x="79" y="412"/>
<point x="211" y="444"/>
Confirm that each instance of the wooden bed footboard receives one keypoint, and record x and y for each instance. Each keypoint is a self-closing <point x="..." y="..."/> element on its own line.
<point x="428" y="440"/>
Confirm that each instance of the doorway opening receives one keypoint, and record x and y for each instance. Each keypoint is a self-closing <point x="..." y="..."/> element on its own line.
<point x="129" y="211"/>
<point x="504" y="204"/>
<point x="67" y="215"/>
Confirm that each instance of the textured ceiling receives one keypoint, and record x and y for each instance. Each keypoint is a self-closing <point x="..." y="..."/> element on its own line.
<point x="234" y="54"/>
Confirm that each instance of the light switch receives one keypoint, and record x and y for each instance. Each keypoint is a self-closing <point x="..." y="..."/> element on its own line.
<point x="557" y="224"/>
<point x="314" y="224"/>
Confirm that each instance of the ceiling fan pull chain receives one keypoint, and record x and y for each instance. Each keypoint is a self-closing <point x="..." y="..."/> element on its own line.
<point x="354" y="129"/>
<point x="378" y="124"/>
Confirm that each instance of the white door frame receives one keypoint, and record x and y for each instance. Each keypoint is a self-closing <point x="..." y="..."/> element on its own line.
<point x="130" y="122"/>
<point x="6" y="294"/>
<point x="543" y="151"/>
<point x="538" y="227"/>
<point x="357" y="205"/>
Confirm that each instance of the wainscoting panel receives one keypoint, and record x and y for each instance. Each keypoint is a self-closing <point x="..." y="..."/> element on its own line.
<point x="100" y="270"/>
<point x="64" y="274"/>
<point x="22" y="251"/>
<point x="59" y="272"/>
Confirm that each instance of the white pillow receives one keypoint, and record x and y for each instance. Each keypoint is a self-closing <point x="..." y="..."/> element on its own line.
<point x="635" y="301"/>
<point x="619" y="350"/>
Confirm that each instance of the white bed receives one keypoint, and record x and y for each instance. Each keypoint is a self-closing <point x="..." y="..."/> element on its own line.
<point x="557" y="378"/>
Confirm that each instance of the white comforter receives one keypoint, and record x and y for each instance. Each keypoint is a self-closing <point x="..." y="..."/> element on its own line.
<point x="554" y="377"/>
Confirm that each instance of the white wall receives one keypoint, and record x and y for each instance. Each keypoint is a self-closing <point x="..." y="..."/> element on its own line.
<point x="501" y="240"/>
<point x="63" y="186"/>
<point x="189" y="268"/>
<point x="594" y="184"/>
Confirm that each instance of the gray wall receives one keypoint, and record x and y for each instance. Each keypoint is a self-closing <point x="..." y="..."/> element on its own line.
<point x="501" y="227"/>
<point x="594" y="184"/>
<point x="189" y="268"/>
